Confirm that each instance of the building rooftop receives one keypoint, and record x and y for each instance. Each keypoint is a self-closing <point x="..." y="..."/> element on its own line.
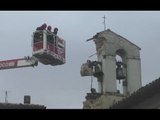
<point x="21" y="106"/>
<point x="147" y="97"/>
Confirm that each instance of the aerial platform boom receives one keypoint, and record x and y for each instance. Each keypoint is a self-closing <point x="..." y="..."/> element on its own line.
<point x="18" y="63"/>
<point x="47" y="48"/>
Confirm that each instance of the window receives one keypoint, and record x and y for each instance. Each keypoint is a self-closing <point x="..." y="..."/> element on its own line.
<point x="50" y="38"/>
<point x="38" y="36"/>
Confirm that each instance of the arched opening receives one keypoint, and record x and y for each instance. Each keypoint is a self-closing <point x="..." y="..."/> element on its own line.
<point x="120" y="70"/>
<point x="119" y="82"/>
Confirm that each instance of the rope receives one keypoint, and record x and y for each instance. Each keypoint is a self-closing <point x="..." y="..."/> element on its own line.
<point x="91" y="81"/>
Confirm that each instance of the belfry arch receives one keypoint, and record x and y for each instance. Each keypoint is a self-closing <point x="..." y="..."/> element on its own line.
<point x="120" y="57"/>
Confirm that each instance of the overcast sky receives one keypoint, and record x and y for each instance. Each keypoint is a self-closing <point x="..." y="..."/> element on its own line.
<point x="62" y="87"/>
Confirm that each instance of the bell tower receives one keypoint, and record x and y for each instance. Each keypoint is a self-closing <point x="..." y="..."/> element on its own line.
<point x="108" y="45"/>
<point x="127" y="70"/>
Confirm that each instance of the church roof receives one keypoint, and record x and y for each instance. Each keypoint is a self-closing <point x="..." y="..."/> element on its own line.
<point x="146" y="97"/>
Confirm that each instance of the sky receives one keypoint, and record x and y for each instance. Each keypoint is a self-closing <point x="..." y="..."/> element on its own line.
<point x="62" y="87"/>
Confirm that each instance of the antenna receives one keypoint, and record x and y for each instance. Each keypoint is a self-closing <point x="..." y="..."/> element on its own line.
<point x="104" y="22"/>
<point x="6" y="96"/>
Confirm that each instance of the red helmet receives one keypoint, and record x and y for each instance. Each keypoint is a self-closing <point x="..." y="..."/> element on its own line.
<point x="43" y="27"/>
<point x="49" y="28"/>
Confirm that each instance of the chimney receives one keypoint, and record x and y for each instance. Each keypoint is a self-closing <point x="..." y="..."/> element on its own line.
<point x="27" y="99"/>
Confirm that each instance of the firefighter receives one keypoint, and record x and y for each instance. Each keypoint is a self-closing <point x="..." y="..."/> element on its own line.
<point x="42" y="27"/>
<point x="55" y="31"/>
<point x="49" y="28"/>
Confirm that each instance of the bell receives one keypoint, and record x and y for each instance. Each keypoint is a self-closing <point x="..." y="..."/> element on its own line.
<point x="98" y="72"/>
<point x="86" y="70"/>
<point x="120" y="72"/>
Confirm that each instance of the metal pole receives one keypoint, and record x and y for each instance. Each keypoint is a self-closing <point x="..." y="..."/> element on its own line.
<point x="91" y="81"/>
<point x="6" y="96"/>
<point x="104" y="22"/>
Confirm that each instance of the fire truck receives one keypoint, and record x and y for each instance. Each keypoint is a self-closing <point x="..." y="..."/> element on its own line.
<point x="47" y="48"/>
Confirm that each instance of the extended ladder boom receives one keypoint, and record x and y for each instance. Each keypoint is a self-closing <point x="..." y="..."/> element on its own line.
<point x="18" y="63"/>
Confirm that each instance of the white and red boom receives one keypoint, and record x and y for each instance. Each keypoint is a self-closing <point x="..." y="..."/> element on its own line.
<point x="48" y="48"/>
<point x="18" y="63"/>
